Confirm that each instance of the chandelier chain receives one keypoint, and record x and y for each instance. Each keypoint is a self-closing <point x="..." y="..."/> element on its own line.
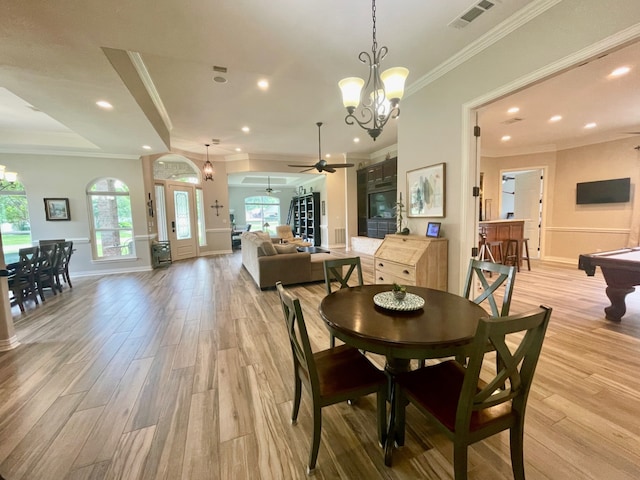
<point x="373" y="16"/>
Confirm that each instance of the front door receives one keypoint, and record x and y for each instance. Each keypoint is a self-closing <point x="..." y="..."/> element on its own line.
<point x="181" y="220"/>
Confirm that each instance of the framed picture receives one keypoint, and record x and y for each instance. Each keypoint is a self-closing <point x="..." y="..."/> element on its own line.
<point x="57" y="209"/>
<point x="433" y="229"/>
<point x="426" y="191"/>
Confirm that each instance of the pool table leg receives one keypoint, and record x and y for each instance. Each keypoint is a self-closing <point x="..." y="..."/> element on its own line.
<point x="617" y="309"/>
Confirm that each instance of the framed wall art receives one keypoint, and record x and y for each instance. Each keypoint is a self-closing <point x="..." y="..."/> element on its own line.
<point x="57" y="209"/>
<point x="426" y="191"/>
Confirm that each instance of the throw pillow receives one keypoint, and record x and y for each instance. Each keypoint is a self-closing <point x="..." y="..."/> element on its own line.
<point x="285" y="248"/>
<point x="267" y="248"/>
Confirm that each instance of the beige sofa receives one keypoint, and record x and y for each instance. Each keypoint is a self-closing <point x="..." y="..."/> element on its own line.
<point x="269" y="262"/>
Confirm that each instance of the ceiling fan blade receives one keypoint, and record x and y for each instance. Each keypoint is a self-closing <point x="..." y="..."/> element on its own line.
<point x="301" y="166"/>
<point x="307" y="169"/>
<point x="632" y="133"/>
<point x="339" y="165"/>
<point x="329" y="168"/>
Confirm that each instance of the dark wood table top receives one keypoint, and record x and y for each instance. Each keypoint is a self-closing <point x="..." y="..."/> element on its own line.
<point x="445" y="324"/>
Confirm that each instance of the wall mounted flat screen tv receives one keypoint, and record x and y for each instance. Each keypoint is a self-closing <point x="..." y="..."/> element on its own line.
<point x="617" y="190"/>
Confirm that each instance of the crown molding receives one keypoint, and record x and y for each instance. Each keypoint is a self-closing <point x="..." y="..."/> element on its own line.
<point x="145" y="78"/>
<point x="68" y="153"/>
<point x="497" y="33"/>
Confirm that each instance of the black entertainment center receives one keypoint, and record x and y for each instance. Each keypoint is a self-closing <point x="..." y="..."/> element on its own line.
<point x="377" y="197"/>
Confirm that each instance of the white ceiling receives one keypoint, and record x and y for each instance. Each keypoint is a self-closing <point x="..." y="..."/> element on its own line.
<point x="58" y="58"/>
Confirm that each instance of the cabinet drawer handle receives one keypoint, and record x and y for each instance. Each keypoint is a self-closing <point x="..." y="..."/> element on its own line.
<point x="381" y="264"/>
<point x="406" y="272"/>
<point x="380" y="278"/>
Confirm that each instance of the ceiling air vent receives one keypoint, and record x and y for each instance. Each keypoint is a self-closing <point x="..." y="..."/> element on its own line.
<point x="511" y="121"/>
<point x="472" y="13"/>
<point x="215" y="141"/>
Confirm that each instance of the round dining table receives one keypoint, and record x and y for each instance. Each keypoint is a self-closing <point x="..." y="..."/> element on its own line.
<point x="443" y="326"/>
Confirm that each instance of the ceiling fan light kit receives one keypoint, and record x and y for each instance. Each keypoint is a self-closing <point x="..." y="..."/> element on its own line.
<point x="387" y="89"/>
<point x="321" y="165"/>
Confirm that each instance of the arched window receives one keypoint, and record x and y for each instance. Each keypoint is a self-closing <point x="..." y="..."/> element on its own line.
<point x="263" y="213"/>
<point x="112" y="226"/>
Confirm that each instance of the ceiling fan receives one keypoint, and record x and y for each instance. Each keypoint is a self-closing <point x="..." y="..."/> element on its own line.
<point x="269" y="190"/>
<point x="322" y="165"/>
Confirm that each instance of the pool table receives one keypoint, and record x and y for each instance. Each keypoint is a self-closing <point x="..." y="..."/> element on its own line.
<point x="621" y="270"/>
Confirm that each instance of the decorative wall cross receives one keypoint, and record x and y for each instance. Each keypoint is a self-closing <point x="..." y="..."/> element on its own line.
<point x="217" y="207"/>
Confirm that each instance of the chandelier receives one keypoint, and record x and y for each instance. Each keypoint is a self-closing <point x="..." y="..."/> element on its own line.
<point x="385" y="90"/>
<point x="7" y="179"/>
<point x="208" y="167"/>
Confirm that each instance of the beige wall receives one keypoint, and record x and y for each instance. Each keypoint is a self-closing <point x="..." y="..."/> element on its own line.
<point x="68" y="177"/>
<point x="436" y="122"/>
<point x="569" y="229"/>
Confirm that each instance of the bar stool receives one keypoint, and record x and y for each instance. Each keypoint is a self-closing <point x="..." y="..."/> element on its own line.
<point x="497" y="245"/>
<point x="525" y="248"/>
<point x="514" y="254"/>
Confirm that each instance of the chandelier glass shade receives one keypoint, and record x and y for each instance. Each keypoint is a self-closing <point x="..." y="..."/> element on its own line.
<point x="7" y="178"/>
<point x="208" y="167"/>
<point x="372" y="110"/>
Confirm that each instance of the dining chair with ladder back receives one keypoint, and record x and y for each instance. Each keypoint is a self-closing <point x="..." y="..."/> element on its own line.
<point x="330" y="376"/>
<point x="46" y="275"/>
<point x="22" y="279"/>
<point x="468" y="408"/>
<point x="334" y="271"/>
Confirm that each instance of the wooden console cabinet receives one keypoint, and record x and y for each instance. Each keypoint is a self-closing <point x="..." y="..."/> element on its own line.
<point x="412" y="260"/>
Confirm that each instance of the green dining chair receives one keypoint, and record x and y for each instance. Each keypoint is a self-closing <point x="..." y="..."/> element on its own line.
<point x="468" y="408"/>
<point x="330" y="376"/>
<point x="334" y="271"/>
<point x="506" y="275"/>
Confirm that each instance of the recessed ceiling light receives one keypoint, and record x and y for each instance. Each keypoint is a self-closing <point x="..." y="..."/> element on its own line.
<point x="618" y="72"/>
<point x="146" y="147"/>
<point x="219" y="79"/>
<point x="238" y="149"/>
<point x="246" y="129"/>
<point x="356" y="140"/>
<point x="555" y="118"/>
<point x="590" y="125"/>
<point x="263" y="84"/>
<point x="104" y="104"/>
<point x="513" y="110"/>
<point x="506" y="138"/>
<point x="328" y="155"/>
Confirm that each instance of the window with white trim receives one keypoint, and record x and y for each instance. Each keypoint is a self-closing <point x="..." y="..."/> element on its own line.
<point x="112" y="225"/>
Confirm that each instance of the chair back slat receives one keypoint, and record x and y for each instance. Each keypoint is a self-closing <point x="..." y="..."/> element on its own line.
<point x="512" y="381"/>
<point x="298" y="338"/>
<point x="333" y="270"/>
<point x="505" y="276"/>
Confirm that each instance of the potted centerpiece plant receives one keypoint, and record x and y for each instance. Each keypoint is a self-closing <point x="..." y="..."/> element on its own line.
<point x="399" y="291"/>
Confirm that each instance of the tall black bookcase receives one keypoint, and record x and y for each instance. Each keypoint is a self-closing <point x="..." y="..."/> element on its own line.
<point x="306" y="217"/>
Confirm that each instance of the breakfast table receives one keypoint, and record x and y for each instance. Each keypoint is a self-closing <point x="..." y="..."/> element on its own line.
<point x="426" y="324"/>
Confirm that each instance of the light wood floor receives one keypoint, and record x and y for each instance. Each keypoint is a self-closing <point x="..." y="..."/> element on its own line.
<point x="185" y="373"/>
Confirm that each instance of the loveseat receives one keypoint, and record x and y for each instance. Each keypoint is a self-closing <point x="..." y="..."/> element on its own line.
<point x="269" y="262"/>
